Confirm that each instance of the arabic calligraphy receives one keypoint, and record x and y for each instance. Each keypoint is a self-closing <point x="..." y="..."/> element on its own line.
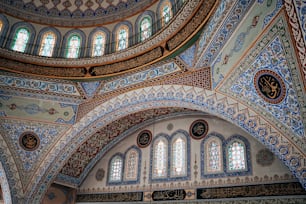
<point x="29" y="141"/>
<point x="178" y="194"/>
<point x="144" y="138"/>
<point x="198" y="129"/>
<point x="110" y="197"/>
<point x="269" y="86"/>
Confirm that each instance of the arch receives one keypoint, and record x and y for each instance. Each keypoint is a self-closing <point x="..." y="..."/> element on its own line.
<point x="159" y="158"/>
<point x="74" y="35"/>
<point x="122" y="36"/>
<point x="4" y="29"/>
<point x="91" y="41"/>
<point x="199" y="99"/>
<point x="132" y="157"/>
<point x="165" y="10"/>
<point x="5" y="186"/>
<point x="29" y="42"/>
<point x="40" y="38"/>
<point x="212" y="161"/>
<point x="238" y="159"/>
<point x="115" y="169"/>
<point x="183" y="140"/>
<point x="144" y="25"/>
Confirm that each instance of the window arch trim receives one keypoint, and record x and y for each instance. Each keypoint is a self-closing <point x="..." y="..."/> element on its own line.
<point x="66" y="39"/>
<point x="138" y="170"/>
<point x="4" y="29"/>
<point x="116" y="29"/>
<point x="91" y="40"/>
<point x="57" y="41"/>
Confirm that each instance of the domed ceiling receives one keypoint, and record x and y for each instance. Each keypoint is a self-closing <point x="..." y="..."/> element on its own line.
<point x="73" y="13"/>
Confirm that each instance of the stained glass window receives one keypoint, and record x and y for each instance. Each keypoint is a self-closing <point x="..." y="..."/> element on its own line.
<point x="131" y="165"/>
<point x="98" y="45"/>
<point x="47" y="44"/>
<point x="116" y="169"/>
<point x="160" y="159"/>
<point x="21" y="39"/>
<point x="236" y="156"/>
<point x="1" y="25"/>
<point x="145" y="28"/>
<point x="122" y="38"/>
<point x="178" y="157"/>
<point x="74" y="45"/>
<point x="213" y="153"/>
<point x="166" y="13"/>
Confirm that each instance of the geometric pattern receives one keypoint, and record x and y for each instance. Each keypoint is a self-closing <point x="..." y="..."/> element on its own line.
<point x="253" y="123"/>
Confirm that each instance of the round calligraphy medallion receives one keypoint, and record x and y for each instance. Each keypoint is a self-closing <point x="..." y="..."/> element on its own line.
<point x="144" y="138"/>
<point x="270" y="86"/>
<point x="198" y="129"/>
<point x="29" y="141"/>
<point x="100" y="174"/>
<point x="264" y="157"/>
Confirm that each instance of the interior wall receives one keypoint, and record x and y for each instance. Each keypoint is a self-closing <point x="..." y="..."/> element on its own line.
<point x="259" y="173"/>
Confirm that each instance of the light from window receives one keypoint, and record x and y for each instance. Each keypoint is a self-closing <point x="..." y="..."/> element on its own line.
<point x="47" y="45"/>
<point x="160" y="159"/>
<point x="131" y="165"/>
<point x="73" y="49"/>
<point x="1" y="25"/>
<point x="166" y="13"/>
<point x="179" y="157"/>
<point x="116" y="169"/>
<point x="98" y="46"/>
<point x="21" y="39"/>
<point x="236" y="156"/>
<point x="214" y="156"/>
<point x="122" y="38"/>
<point x="145" y="28"/>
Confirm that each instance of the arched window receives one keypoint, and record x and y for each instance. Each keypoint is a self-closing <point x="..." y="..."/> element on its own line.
<point x="21" y="39"/>
<point x="178" y="160"/>
<point x="74" y="45"/>
<point x="47" y="44"/>
<point x="145" y="28"/>
<point x="236" y="156"/>
<point x="115" y="173"/>
<point x="1" y="25"/>
<point x="98" y="44"/>
<point x="160" y="158"/>
<point x="213" y="156"/>
<point x="166" y="13"/>
<point x="131" y="165"/>
<point x="122" y="38"/>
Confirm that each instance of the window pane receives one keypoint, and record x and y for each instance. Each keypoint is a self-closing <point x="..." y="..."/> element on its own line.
<point x="131" y="165"/>
<point x="98" y="44"/>
<point x="179" y="157"/>
<point x="145" y="29"/>
<point x="74" y="45"/>
<point x="116" y="169"/>
<point x="21" y="40"/>
<point x="214" y="156"/>
<point x="166" y="14"/>
<point x="122" y="39"/>
<point x="160" y="159"/>
<point x="48" y="43"/>
<point x="236" y="156"/>
<point x="1" y="25"/>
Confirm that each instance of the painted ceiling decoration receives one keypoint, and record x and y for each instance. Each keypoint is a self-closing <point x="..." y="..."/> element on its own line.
<point x="239" y="61"/>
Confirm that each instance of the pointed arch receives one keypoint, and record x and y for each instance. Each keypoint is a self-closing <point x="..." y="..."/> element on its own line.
<point x="212" y="159"/>
<point x="132" y="165"/>
<point x="177" y="96"/>
<point x="115" y="171"/>
<point x="238" y="159"/>
<point x="159" y="157"/>
<point x="179" y="155"/>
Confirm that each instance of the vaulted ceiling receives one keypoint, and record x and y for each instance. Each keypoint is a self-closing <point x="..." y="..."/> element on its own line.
<point x="212" y="61"/>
